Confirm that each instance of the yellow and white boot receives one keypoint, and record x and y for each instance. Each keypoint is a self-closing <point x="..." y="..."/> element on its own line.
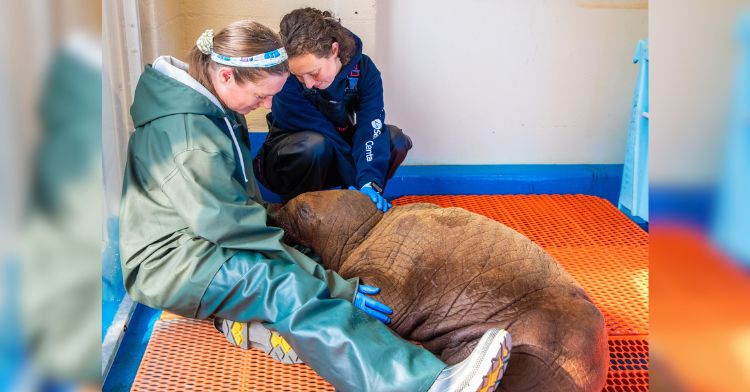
<point x="482" y="370"/>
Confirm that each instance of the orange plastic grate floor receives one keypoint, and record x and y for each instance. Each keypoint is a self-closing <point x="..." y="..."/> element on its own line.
<point x="605" y="251"/>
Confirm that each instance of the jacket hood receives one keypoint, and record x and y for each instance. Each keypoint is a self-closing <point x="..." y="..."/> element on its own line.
<point x="165" y="88"/>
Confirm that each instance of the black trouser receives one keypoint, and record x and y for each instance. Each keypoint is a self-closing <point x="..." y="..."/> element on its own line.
<point x="290" y="164"/>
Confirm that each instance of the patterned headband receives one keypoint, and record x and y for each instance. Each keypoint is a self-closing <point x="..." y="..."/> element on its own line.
<point x="205" y="44"/>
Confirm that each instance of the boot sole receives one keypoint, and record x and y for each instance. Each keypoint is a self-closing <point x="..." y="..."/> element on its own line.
<point x="254" y="335"/>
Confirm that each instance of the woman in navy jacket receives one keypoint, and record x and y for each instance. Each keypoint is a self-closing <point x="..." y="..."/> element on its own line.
<point x="327" y="126"/>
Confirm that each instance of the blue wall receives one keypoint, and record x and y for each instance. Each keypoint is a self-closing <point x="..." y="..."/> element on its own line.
<point x="597" y="180"/>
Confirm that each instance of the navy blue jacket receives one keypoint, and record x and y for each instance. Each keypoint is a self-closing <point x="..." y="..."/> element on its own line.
<point x="366" y="157"/>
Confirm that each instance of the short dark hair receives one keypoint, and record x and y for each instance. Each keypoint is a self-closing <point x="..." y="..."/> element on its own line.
<point x="310" y="30"/>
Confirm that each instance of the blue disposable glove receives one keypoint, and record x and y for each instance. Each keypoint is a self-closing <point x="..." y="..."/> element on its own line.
<point x="371" y="306"/>
<point x="380" y="202"/>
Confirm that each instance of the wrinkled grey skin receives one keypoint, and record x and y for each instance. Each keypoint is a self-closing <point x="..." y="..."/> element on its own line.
<point x="450" y="274"/>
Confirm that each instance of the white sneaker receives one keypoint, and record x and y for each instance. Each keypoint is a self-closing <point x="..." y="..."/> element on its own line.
<point x="482" y="370"/>
<point x="255" y="335"/>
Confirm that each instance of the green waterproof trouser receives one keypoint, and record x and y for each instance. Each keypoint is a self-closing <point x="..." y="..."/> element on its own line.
<point x="345" y="346"/>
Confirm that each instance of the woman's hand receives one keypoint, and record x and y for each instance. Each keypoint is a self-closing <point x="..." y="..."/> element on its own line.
<point x="371" y="306"/>
<point x="380" y="202"/>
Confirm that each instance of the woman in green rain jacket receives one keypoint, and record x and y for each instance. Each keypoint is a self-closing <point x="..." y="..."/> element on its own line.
<point x="194" y="239"/>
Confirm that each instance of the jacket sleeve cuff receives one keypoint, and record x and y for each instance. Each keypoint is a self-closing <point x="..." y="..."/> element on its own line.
<point x="366" y="180"/>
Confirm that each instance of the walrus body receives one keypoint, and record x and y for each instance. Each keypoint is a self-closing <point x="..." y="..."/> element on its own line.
<point x="450" y="274"/>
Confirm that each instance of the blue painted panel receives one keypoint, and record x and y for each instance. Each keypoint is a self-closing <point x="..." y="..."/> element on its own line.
<point x="689" y="205"/>
<point x="597" y="180"/>
<point x="131" y="350"/>
<point x="12" y="353"/>
<point x="112" y="286"/>
<point x="634" y="190"/>
<point x="732" y="223"/>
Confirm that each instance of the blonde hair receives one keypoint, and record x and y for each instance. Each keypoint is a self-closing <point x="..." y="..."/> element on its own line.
<point x="243" y="38"/>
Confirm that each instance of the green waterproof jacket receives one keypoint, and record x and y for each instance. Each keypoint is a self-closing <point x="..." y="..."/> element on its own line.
<point x="190" y="201"/>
